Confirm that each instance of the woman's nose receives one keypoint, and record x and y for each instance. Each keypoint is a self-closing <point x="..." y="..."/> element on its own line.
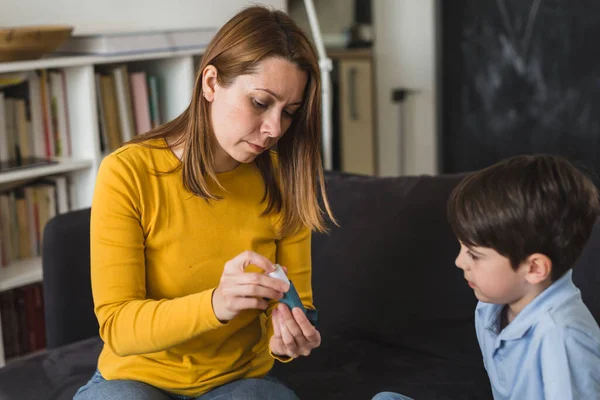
<point x="272" y="125"/>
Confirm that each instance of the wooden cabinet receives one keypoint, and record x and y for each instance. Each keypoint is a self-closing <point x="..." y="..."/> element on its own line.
<point x="354" y="123"/>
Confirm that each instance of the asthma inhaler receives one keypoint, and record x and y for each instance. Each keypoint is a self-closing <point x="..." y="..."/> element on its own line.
<point x="291" y="298"/>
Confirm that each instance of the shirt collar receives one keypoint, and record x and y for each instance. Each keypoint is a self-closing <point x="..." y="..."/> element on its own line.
<point x="553" y="296"/>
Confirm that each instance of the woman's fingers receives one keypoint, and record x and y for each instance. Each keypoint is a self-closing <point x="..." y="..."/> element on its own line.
<point x="299" y="337"/>
<point x="254" y="279"/>
<point x="252" y="284"/>
<point x="240" y="290"/>
<point x="311" y="333"/>
<point x="275" y="322"/>
<point x="242" y="260"/>
<point x="252" y="291"/>
<point x="288" y="340"/>
<point x="276" y="342"/>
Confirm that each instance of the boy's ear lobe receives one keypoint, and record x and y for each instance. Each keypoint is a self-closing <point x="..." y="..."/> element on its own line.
<point x="209" y="81"/>
<point x="539" y="268"/>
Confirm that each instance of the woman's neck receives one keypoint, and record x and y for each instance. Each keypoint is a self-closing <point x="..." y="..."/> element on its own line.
<point x="176" y="149"/>
<point x="223" y="161"/>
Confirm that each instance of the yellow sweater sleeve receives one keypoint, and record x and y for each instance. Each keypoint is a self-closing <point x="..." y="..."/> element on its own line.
<point x="294" y="253"/>
<point x="129" y="322"/>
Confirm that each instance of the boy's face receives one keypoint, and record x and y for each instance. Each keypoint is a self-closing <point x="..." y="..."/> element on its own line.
<point x="491" y="276"/>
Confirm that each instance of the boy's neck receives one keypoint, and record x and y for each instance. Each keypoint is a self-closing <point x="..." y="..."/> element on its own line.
<point x="511" y="310"/>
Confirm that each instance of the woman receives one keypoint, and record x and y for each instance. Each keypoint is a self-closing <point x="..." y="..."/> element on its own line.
<point x="188" y="219"/>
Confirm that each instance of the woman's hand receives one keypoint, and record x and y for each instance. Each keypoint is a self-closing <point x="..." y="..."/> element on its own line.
<point x="239" y="290"/>
<point x="293" y="335"/>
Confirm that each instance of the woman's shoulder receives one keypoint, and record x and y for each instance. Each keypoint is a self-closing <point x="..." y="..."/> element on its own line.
<point x="150" y="154"/>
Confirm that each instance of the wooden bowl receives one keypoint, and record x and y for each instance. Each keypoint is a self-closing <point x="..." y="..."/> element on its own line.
<point x="31" y="42"/>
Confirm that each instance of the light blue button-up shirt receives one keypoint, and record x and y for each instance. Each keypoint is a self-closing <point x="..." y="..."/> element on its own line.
<point x="551" y="350"/>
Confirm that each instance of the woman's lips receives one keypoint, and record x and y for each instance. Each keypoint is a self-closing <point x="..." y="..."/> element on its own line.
<point x="256" y="148"/>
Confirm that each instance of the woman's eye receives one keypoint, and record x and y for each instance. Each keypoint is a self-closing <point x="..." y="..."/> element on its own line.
<point x="288" y="114"/>
<point x="258" y="104"/>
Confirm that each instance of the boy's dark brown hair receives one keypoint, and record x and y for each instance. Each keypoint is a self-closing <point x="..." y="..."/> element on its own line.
<point x="524" y="205"/>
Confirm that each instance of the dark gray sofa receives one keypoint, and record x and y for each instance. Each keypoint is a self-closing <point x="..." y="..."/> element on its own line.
<point x="395" y="313"/>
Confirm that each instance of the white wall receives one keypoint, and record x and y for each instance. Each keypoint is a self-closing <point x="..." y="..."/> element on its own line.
<point x="405" y="45"/>
<point x="334" y="16"/>
<point x="101" y="16"/>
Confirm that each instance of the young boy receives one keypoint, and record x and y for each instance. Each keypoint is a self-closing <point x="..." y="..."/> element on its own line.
<point x="522" y="225"/>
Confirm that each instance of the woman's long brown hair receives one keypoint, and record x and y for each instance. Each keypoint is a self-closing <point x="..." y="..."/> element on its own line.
<point x="293" y="188"/>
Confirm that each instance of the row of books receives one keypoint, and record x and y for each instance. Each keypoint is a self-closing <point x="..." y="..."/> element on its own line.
<point x="128" y="104"/>
<point x="24" y="212"/>
<point x="34" y="111"/>
<point x="34" y="115"/>
<point x="22" y="320"/>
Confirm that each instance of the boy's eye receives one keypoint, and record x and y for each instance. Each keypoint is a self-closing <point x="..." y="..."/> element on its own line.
<point x="472" y="256"/>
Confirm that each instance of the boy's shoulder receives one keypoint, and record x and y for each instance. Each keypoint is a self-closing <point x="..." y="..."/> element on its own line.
<point x="571" y="318"/>
<point x="559" y="311"/>
<point x="566" y="323"/>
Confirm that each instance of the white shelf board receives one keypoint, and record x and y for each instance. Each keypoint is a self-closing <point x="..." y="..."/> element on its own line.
<point x="21" y="273"/>
<point x="77" y="61"/>
<point x="64" y="165"/>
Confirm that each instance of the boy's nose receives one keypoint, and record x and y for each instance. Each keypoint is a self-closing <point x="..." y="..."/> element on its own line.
<point x="459" y="261"/>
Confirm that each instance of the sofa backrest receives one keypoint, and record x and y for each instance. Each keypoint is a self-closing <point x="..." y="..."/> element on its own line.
<point x="388" y="274"/>
<point x="586" y="274"/>
<point x="69" y="308"/>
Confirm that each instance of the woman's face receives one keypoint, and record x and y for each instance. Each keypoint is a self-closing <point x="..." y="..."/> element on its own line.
<point x="252" y="113"/>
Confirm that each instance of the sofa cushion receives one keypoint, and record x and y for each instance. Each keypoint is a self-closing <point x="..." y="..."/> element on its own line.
<point x="357" y="369"/>
<point x="54" y="374"/>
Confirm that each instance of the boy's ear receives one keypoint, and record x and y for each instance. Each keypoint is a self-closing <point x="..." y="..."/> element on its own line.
<point x="539" y="268"/>
<point x="209" y="82"/>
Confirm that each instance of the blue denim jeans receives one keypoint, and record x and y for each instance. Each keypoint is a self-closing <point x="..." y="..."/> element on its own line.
<point x="390" y="396"/>
<point x="247" y="389"/>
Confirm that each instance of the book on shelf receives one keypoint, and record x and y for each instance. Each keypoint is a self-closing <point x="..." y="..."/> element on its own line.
<point x="34" y="123"/>
<point x="153" y="94"/>
<point x="124" y="102"/>
<point x="127" y="104"/>
<point x="22" y="320"/>
<point x="24" y="212"/>
<point x="141" y="101"/>
<point x="138" y="42"/>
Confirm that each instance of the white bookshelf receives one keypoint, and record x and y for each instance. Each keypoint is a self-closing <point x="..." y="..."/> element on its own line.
<point x="175" y="73"/>
<point x="63" y="165"/>
<point x="21" y="273"/>
<point x="79" y="61"/>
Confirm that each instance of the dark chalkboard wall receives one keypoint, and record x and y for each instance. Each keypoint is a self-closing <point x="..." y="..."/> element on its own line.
<point x="519" y="76"/>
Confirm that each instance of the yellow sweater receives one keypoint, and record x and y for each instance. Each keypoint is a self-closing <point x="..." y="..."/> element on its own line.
<point x="157" y="254"/>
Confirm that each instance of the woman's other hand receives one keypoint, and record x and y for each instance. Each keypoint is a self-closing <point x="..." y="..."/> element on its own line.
<point x="293" y="335"/>
<point x="239" y="290"/>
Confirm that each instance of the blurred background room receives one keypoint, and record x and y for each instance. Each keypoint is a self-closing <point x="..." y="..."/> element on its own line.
<point x="417" y="87"/>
